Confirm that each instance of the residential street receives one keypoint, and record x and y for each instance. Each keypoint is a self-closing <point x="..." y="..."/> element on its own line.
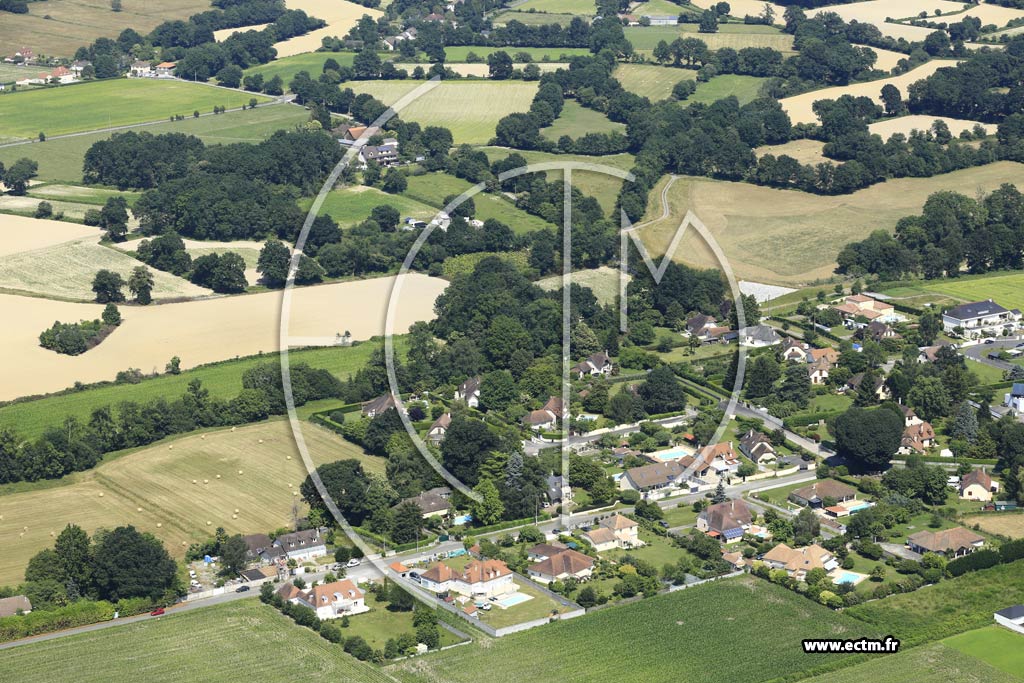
<point x="980" y="352"/>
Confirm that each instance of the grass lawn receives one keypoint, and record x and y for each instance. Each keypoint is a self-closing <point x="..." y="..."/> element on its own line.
<point x="828" y="402"/>
<point x="603" y="282"/>
<point x="576" y="120"/>
<point x="757" y="226"/>
<point x="659" y="551"/>
<point x="352" y="204"/>
<point x="101" y="104"/>
<point x="458" y="53"/>
<point x="59" y="27"/>
<point x="998" y="646"/>
<point x="222" y="380"/>
<point x="675" y="637"/>
<point x="680" y="515"/>
<point x="1005" y="288"/>
<point x="986" y="373"/>
<point x="947" y="608"/>
<point x="652" y="81"/>
<point x="432" y="188"/>
<point x="97" y="196"/>
<point x="580" y="7"/>
<point x="538" y="607"/>
<point x="287" y="67"/>
<point x="214" y="644"/>
<point x="255" y="469"/>
<point x="379" y="625"/>
<point x="934" y="663"/>
<point x="744" y="88"/>
<point x="470" y="109"/>
<point x="61" y="159"/>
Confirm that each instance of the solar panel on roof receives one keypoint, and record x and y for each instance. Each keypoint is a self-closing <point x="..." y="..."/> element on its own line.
<point x="733" y="533"/>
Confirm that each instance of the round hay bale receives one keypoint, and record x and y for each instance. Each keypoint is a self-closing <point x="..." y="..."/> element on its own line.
<point x="288" y="457"/>
<point x="239" y="472"/>
<point x="206" y="481"/>
<point x="234" y="516"/>
<point x="261" y="440"/>
<point x="202" y="436"/>
<point x="209" y="523"/>
<point x="101" y="494"/>
<point x="52" y="534"/>
<point x="218" y="476"/>
<point x="194" y="481"/>
<point x="233" y="429"/>
<point x="295" y="493"/>
<point x="138" y="509"/>
<point x="159" y="525"/>
<point x="236" y="511"/>
<point x="171" y="447"/>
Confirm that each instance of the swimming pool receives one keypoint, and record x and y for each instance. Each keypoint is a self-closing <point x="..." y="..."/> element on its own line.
<point x="848" y="577"/>
<point x="514" y="599"/>
<point x="671" y="454"/>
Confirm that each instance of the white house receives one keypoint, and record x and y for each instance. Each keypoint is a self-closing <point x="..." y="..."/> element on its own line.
<point x="980" y="318"/>
<point x="303" y="545"/>
<point x="596" y="364"/>
<point x="469" y="391"/>
<point x="1015" y="399"/>
<point x="798" y="561"/>
<point x="329" y="601"/>
<point x="480" y="579"/>
<point x="759" y="336"/>
<point x="613" y="532"/>
<point x="1011" y="617"/>
<point x="561" y="566"/>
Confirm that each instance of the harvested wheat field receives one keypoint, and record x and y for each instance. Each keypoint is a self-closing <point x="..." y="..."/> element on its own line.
<point x="20" y="234"/>
<point x="787" y="237"/>
<point x="799" y="106"/>
<point x="481" y="70"/>
<point x="991" y="14"/>
<point x="198" y="331"/>
<point x="1011" y="525"/>
<point x="66" y="270"/>
<point x="886" y="59"/>
<point x="877" y="11"/>
<point x="804" y="151"/>
<point x="741" y="8"/>
<point x="340" y="16"/>
<point x="905" y="124"/>
<point x="253" y="469"/>
<point x="225" y="33"/>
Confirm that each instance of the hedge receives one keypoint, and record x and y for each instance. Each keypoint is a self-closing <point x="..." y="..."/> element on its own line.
<point x="80" y="613"/>
<point x="981" y="559"/>
<point x="808" y="419"/>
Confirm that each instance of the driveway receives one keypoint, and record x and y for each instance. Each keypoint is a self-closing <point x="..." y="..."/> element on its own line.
<point x="979" y="352"/>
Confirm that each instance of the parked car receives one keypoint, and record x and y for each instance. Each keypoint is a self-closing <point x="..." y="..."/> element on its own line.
<point x="354" y="562"/>
<point x="663" y="523"/>
<point x="990" y="341"/>
<point x="157" y="612"/>
<point x="241" y="589"/>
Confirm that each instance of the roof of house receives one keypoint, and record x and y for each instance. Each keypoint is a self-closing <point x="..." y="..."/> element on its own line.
<point x="165" y="65"/>
<point x="914" y="436"/>
<point x="398" y="567"/>
<point x="299" y="540"/>
<point x="289" y="591"/>
<point x="434" y="500"/>
<point x="795" y="559"/>
<point x="439" y="573"/>
<point x="755" y="444"/>
<point x="539" y="417"/>
<point x="827" y="353"/>
<point x="599" y="536"/>
<point x="761" y="333"/>
<point x="326" y="593"/>
<point x="1018" y="389"/>
<point x="564" y="562"/>
<point x="379" y="404"/>
<point x="979" y="477"/>
<point x="554" y="405"/>
<point x="479" y="571"/>
<point x="442" y="422"/>
<point x="655" y="474"/>
<point x="826" y="488"/>
<point x="699" y="322"/>
<point x="1012" y="612"/>
<point x="10" y="606"/>
<point x="975" y="309"/>
<point x="470" y="386"/>
<point x="546" y="549"/>
<point x="617" y="521"/>
<point x="727" y="516"/>
<point x="722" y="450"/>
<point x="956" y="538"/>
<point x="256" y="543"/>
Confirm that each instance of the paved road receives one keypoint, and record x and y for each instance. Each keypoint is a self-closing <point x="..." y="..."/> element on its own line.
<point x="744" y="410"/>
<point x="573" y="442"/>
<point x="980" y="352"/>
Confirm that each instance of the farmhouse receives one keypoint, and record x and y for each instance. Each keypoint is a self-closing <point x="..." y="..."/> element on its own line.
<point x="440" y="427"/>
<point x="613" y="532"/>
<point x="877" y="331"/>
<point x="977" y="485"/>
<point x="955" y="542"/>
<point x="260" y="547"/>
<point x="385" y="154"/>
<point x="140" y="69"/>
<point x="329" y="601"/>
<point x="978" y="319"/>
<point x="469" y="391"/>
<point x="164" y="70"/>
<point x="597" y="364"/>
<point x="433" y="503"/>
<point x="758" y="447"/>
<point x="1015" y="399"/>
<point x="303" y="545"/>
<point x="561" y="566"/>
<point x="1011" y="617"/>
<point x="917" y="438"/>
<point x="815" y="495"/>
<point x="656" y="480"/>
<point x="798" y="561"/>
<point x="725" y="521"/>
<point x="17" y="604"/>
<point x="378" y="406"/>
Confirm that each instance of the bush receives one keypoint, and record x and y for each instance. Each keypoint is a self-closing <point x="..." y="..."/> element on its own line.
<point x="981" y="559"/>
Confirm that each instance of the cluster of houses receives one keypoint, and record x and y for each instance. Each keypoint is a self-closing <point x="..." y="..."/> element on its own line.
<point x="60" y="75"/>
<point x="141" y="69"/>
<point x="391" y="42"/>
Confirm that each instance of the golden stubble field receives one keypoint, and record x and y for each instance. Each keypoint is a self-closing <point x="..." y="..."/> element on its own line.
<point x="799" y="107"/>
<point x="340" y="16"/>
<point x="197" y="331"/>
<point x="1011" y="525"/>
<point x="255" y="469"/>
<point x="20" y="233"/>
<point x="787" y="237"/>
<point x="877" y="11"/>
<point x="905" y="124"/>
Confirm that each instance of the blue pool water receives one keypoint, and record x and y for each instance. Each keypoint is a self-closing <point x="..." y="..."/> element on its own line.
<point x="671" y="454"/>
<point x="848" y="577"/>
<point x="513" y="600"/>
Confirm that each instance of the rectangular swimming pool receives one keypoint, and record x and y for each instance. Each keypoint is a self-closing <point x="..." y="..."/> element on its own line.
<point x="671" y="454"/>
<point x="514" y="599"/>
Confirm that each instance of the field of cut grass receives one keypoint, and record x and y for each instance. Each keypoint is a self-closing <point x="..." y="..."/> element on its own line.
<point x="667" y="638"/>
<point x="83" y="195"/>
<point x="744" y="88"/>
<point x="1006" y="288"/>
<point x="735" y="36"/>
<point x="580" y="7"/>
<point x="9" y="73"/>
<point x="652" y="81"/>
<point x="804" y="151"/>
<point x="603" y="282"/>
<point x="601" y="186"/>
<point x="1011" y="525"/>
<point x="458" y="53"/>
<point x="66" y="271"/>
<point x="935" y="663"/>
<point x="576" y="121"/>
<point x="59" y="27"/>
<point x="287" y="67"/>
<point x="214" y="644"/>
<point x="179" y="489"/>
<point x="222" y="380"/>
<point x="532" y="18"/>
<point x="432" y="188"/>
<point x="948" y="608"/>
<point x="469" y="109"/>
<point x="353" y="204"/>
<point x="62" y="159"/>
<point x="102" y="104"/>
<point x="995" y="645"/>
<point x="788" y="237"/>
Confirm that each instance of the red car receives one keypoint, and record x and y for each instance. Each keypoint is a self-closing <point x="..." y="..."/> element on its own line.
<point x="157" y="612"/>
